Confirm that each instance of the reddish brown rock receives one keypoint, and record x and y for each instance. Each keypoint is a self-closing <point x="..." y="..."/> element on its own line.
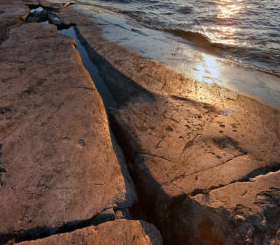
<point x="114" y="232"/>
<point x="12" y="14"/>
<point x="183" y="138"/>
<point x="58" y="165"/>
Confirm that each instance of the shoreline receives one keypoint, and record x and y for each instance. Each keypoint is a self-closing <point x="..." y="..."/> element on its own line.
<point x="195" y="64"/>
<point x="177" y="78"/>
<point x="187" y="145"/>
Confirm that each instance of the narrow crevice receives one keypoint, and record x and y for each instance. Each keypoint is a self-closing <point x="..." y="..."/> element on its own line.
<point x="271" y="168"/>
<point x="45" y="231"/>
<point x="47" y="16"/>
<point x="145" y="208"/>
<point x="92" y="69"/>
<point x="181" y="176"/>
<point x="151" y="155"/>
<point x="32" y="6"/>
<point x="3" y="171"/>
<point x="142" y="209"/>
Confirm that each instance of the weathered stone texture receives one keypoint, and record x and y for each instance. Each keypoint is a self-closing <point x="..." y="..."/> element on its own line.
<point x="114" y="232"/>
<point x="57" y="160"/>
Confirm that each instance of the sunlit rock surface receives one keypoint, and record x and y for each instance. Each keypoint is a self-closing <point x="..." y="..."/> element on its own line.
<point x="58" y="165"/>
<point x="205" y="160"/>
<point x="114" y="232"/>
<point x="188" y="141"/>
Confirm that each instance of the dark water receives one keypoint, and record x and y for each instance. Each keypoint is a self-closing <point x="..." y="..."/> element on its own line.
<point x="108" y="99"/>
<point x="245" y="31"/>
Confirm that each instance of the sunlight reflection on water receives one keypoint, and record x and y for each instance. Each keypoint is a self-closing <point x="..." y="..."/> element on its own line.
<point x="228" y="8"/>
<point x="208" y="69"/>
<point x="182" y="57"/>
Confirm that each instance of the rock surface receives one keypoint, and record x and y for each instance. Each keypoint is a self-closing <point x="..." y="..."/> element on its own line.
<point x="247" y="211"/>
<point x="58" y="166"/>
<point x="12" y="14"/>
<point x="205" y="160"/>
<point x="114" y="232"/>
<point x="183" y="138"/>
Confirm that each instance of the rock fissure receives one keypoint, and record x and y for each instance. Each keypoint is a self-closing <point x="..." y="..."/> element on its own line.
<point x="152" y="198"/>
<point x="44" y="231"/>
<point x="135" y="213"/>
<point x="197" y="172"/>
<point x="149" y="154"/>
<point x="107" y="214"/>
<point x="271" y="168"/>
<point x="182" y="217"/>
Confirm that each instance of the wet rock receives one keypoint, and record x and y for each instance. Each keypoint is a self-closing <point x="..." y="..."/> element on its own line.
<point x="38" y="16"/>
<point x="190" y="146"/>
<point x="115" y="232"/>
<point x="183" y="138"/>
<point x="60" y="166"/>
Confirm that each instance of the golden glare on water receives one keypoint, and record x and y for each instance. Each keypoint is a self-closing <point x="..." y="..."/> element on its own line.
<point x="228" y="8"/>
<point x="207" y="69"/>
<point x="223" y="34"/>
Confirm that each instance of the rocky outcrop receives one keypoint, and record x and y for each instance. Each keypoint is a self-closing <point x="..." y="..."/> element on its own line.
<point x="114" y="232"/>
<point x="205" y="160"/>
<point x="12" y="14"/>
<point x="58" y="167"/>
<point x="181" y="148"/>
<point x="188" y="143"/>
<point x="246" y="211"/>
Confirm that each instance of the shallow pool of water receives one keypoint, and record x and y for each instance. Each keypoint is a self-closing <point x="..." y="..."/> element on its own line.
<point x="108" y="99"/>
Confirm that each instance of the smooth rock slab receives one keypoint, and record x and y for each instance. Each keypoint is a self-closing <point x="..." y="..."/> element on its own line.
<point x="182" y="137"/>
<point x="58" y="165"/>
<point x="114" y="232"/>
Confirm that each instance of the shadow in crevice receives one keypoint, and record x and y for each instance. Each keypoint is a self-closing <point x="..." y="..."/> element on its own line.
<point x="110" y="103"/>
<point x="46" y="15"/>
<point x="123" y="89"/>
<point x="181" y="219"/>
<point x="166" y="212"/>
<point x="270" y="168"/>
<point x="45" y="231"/>
<point x="271" y="198"/>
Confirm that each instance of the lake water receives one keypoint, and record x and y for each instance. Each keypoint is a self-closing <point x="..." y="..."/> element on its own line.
<point x="243" y="31"/>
